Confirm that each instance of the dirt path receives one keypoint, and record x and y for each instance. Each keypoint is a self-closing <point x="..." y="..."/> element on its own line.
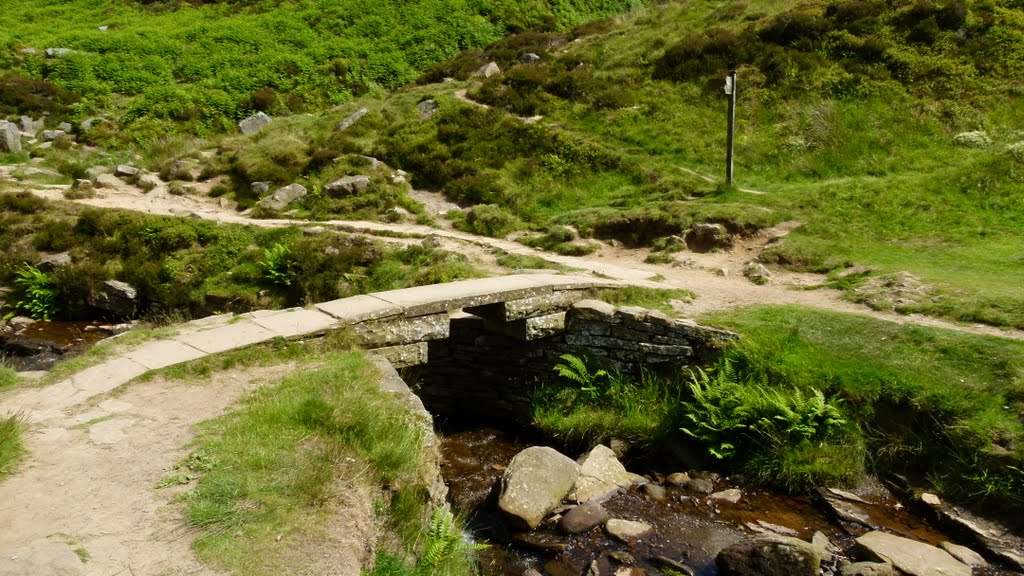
<point x="715" y="277"/>
<point x="93" y="474"/>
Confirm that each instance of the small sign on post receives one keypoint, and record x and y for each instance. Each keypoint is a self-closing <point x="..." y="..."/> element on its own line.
<point x="730" y="90"/>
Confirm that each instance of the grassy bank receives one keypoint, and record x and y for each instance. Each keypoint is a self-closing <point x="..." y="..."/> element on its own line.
<point x="289" y="454"/>
<point x="809" y="397"/>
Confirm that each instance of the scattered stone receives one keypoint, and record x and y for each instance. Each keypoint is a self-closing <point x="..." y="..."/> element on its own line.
<point x="930" y="499"/>
<point x="653" y="492"/>
<point x="95" y="171"/>
<point x="732" y="495"/>
<point x="44" y="146"/>
<point x="529" y="58"/>
<point x="821" y="541"/>
<point x="769" y="556"/>
<point x="909" y="556"/>
<point x="619" y="447"/>
<point x="42" y="558"/>
<point x="622" y="557"/>
<point x="283" y="196"/>
<point x="51" y="135"/>
<point x="671" y="564"/>
<point x="699" y="486"/>
<point x="347" y="186"/>
<point x="29" y="52"/>
<point x="488" y="70"/>
<point x="88" y="123"/>
<point x="705" y="237"/>
<point x="542" y="541"/>
<point x="124" y="170"/>
<point x="331" y="251"/>
<point x="19" y="323"/>
<point x="427" y="108"/>
<point x="54" y="261"/>
<point x="58" y="52"/>
<point x="845" y="495"/>
<point x="844" y="509"/>
<point x="768" y="528"/>
<point x="757" y="273"/>
<point x="963" y="554"/>
<point x="65" y="127"/>
<point x="974" y="139"/>
<point x="432" y="241"/>
<point x="990" y="536"/>
<point x="254" y="123"/>
<point x="182" y="170"/>
<point x="627" y="531"/>
<point x="148" y="182"/>
<point x="30" y="126"/>
<point x="601" y="476"/>
<point x="583" y="518"/>
<point x="400" y="177"/>
<point x="117" y="298"/>
<point x="313" y="231"/>
<point x="10" y="138"/>
<point x="534" y="484"/>
<point x="260" y="188"/>
<point x="350" y="120"/>
<point x="108" y="181"/>
<point x="867" y="569"/>
<point x="372" y="161"/>
<point x="34" y="172"/>
<point x="720" y="271"/>
<point x="532" y="572"/>
<point x="678" y="478"/>
<point x="82" y="185"/>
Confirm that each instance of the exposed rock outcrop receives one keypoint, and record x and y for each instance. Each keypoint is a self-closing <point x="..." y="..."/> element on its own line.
<point x="910" y="556"/>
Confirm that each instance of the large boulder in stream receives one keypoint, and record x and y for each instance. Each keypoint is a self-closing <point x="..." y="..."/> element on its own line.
<point x="534" y="484"/>
<point x="601" y="476"/>
<point x="770" y="555"/>
<point x="910" y="556"/>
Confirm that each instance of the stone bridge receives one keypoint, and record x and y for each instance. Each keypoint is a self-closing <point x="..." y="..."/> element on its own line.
<point x="466" y="341"/>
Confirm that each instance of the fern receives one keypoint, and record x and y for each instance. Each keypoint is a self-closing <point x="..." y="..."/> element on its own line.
<point x="39" y="292"/>
<point x="727" y="416"/>
<point x="442" y="543"/>
<point x="575" y="369"/>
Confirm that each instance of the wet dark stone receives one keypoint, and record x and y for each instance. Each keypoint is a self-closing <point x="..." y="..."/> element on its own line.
<point x="583" y="518"/>
<point x="699" y="486"/>
<point x="653" y="491"/>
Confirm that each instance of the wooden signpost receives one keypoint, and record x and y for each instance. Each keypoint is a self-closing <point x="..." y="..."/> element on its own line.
<point x="730" y="89"/>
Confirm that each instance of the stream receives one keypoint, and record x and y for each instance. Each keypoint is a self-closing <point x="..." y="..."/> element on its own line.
<point x="41" y="344"/>
<point x="689" y="528"/>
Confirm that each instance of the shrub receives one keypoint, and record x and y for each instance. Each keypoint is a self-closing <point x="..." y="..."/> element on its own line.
<point x="490" y="220"/>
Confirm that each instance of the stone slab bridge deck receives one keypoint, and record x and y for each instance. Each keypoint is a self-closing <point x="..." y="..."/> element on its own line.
<point x="396" y="324"/>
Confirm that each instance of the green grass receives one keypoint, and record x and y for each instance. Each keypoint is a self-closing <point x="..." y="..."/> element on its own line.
<point x="8" y="377"/>
<point x="199" y="67"/>
<point x="939" y="405"/>
<point x="277" y="464"/>
<point x="654" y="298"/>
<point x="11" y="446"/>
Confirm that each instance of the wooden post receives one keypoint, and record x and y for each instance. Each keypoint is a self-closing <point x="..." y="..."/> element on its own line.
<point x="730" y="89"/>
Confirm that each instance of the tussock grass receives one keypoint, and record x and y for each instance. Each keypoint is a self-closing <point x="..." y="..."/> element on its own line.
<point x="8" y="377"/>
<point x="11" y="447"/>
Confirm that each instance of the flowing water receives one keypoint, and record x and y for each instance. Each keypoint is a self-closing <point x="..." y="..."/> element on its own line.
<point x="688" y="528"/>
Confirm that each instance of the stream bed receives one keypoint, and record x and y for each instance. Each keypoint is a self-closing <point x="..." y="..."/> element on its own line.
<point x="689" y="529"/>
